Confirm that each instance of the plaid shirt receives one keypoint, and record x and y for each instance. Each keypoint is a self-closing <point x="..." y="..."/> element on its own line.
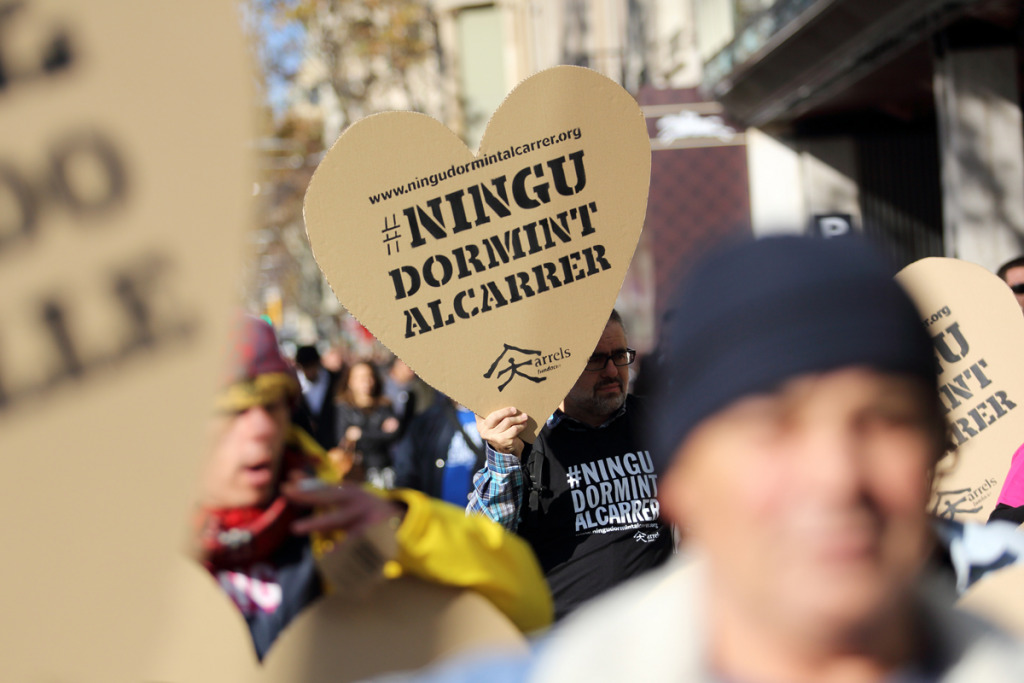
<point x="498" y="488"/>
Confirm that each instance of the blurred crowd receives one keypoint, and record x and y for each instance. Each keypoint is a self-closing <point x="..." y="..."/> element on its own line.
<point x="747" y="503"/>
<point x="380" y="423"/>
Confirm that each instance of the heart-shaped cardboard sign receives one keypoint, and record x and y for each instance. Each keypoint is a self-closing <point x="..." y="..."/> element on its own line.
<point x="492" y="275"/>
<point x="977" y="328"/>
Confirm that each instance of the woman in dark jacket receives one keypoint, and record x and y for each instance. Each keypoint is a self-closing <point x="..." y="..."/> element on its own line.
<point x="367" y="424"/>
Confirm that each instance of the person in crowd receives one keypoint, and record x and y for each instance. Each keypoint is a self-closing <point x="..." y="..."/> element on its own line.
<point x="1010" y="504"/>
<point x="319" y="386"/>
<point x="583" y="494"/>
<point x="1012" y="273"/>
<point x="650" y="364"/>
<point x="409" y="395"/>
<point x="797" y="429"/>
<point x="440" y="452"/>
<point x="269" y="504"/>
<point x="366" y="424"/>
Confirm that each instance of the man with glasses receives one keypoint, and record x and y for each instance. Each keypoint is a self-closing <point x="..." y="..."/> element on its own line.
<point x="584" y="494"/>
<point x="1012" y="273"/>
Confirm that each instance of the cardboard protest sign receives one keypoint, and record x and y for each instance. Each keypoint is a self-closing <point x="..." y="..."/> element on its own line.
<point x="977" y="328"/>
<point x="124" y="189"/>
<point x="492" y="275"/>
<point x="403" y="625"/>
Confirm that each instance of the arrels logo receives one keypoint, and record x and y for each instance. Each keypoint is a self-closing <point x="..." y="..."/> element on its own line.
<point x="950" y="503"/>
<point x="514" y="361"/>
<point x="550" y="361"/>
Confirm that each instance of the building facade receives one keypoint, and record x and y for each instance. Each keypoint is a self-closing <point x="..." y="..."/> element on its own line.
<point x="899" y="118"/>
<point x="481" y="50"/>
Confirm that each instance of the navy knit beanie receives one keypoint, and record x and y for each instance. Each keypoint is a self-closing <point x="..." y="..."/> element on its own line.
<point x="751" y="316"/>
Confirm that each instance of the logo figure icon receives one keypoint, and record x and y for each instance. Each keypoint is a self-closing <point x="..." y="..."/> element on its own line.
<point x="513" y="368"/>
<point x="948" y="505"/>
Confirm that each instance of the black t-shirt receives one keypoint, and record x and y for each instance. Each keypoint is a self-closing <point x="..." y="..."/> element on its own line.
<point x="592" y="517"/>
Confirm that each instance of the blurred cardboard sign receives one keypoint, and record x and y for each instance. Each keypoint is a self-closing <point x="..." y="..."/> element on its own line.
<point x="977" y="329"/>
<point x="402" y="625"/>
<point x="492" y="275"/>
<point x="124" y="190"/>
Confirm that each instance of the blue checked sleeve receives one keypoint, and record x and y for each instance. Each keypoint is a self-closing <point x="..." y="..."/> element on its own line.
<point x="498" y="489"/>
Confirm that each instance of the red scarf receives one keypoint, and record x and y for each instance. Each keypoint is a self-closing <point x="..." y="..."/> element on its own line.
<point x="234" y="537"/>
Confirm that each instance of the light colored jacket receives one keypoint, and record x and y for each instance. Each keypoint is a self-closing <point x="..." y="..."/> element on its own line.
<point x="653" y="629"/>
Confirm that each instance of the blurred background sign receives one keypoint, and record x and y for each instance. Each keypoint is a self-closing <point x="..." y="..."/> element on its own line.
<point x="125" y="184"/>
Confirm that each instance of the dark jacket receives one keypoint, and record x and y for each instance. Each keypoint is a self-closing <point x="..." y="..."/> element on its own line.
<point x="374" y="443"/>
<point x="422" y="453"/>
<point x="319" y="421"/>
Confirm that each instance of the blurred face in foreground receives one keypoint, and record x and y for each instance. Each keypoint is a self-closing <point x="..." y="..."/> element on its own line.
<point x="248" y="445"/>
<point x="810" y="504"/>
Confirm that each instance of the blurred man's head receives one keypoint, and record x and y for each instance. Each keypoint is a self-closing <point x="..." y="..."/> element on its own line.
<point x="254" y="416"/>
<point x="1012" y="273"/>
<point x="797" y="427"/>
<point x="601" y="390"/>
<point x="400" y="372"/>
<point x="307" y="358"/>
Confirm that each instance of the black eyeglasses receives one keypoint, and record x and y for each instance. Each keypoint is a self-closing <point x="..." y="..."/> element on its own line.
<point x="599" y="361"/>
<point x="1018" y="289"/>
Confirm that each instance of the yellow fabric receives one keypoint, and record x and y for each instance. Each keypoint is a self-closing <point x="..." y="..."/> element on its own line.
<point x="438" y="542"/>
<point x="261" y="390"/>
<point x="324" y="468"/>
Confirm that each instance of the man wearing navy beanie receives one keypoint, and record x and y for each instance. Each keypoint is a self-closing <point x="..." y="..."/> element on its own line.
<point x="754" y="315"/>
<point x="798" y="426"/>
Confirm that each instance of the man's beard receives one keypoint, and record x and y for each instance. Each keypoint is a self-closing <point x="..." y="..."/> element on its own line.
<point x="596" y="404"/>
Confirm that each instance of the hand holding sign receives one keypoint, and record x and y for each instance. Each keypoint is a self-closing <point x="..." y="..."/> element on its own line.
<point x="502" y="429"/>
<point x="491" y="275"/>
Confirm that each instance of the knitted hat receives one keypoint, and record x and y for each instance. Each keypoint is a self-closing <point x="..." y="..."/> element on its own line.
<point x="258" y="373"/>
<point x="751" y="316"/>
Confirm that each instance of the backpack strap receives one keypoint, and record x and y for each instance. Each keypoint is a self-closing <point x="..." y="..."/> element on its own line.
<point x="453" y="417"/>
<point x="535" y="485"/>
